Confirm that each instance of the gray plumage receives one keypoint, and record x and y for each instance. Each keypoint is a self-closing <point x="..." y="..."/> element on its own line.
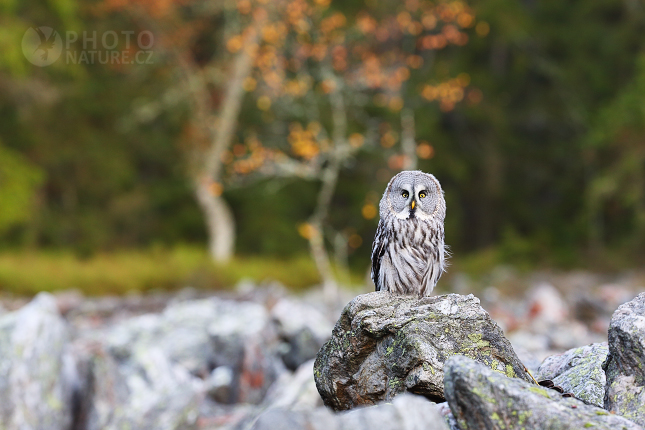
<point x="408" y="254"/>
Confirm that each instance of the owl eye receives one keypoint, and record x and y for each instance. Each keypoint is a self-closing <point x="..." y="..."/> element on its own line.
<point x="405" y="194"/>
<point x="422" y="194"/>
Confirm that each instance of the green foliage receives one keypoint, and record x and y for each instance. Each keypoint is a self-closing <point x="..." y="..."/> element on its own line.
<point x="616" y="194"/>
<point x="12" y="59"/>
<point x="19" y="182"/>
<point x="157" y="269"/>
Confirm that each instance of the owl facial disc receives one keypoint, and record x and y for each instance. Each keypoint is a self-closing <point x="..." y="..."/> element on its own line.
<point x="404" y="199"/>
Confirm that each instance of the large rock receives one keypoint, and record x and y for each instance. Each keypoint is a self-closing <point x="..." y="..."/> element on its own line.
<point x="406" y="412"/>
<point x="180" y="331"/>
<point x="144" y="390"/>
<point x="625" y="391"/>
<point x="295" y="391"/>
<point x="579" y="371"/>
<point x="291" y="392"/>
<point x="208" y="337"/>
<point x="36" y="372"/>
<point x="303" y="328"/>
<point x="245" y="341"/>
<point x="483" y="399"/>
<point x="385" y="344"/>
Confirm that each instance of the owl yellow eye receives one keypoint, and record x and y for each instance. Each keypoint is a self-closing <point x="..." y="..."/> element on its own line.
<point x="405" y="194"/>
<point x="422" y="195"/>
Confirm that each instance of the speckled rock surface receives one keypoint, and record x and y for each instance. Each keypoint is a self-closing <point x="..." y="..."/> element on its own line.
<point x="448" y="417"/>
<point x="406" y="412"/>
<point x="625" y="391"/>
<point x="35" y="383"/>
<point x="202" y="335"/>
<point x="578" y="371"/>
<point x="384" y="344"/>
<point x="483" y="399"/>
<point x="303" y="328"/>
<point x="143" y="391"/>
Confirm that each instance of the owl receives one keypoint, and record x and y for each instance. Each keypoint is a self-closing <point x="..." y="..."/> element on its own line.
<point x="408" y="254"/>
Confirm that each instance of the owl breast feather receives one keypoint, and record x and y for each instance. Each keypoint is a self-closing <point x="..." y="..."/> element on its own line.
<point x="408" y="256"/>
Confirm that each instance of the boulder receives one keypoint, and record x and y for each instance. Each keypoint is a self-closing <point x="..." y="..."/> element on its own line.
<point x="292" y="391"/>
<point x="446" y="413"/>
<point x="37" y="373"/>
<point x="211" y="339"/>
<point x="296" y="391"/>
<point x="578" y="371"/>
<point x="244" y="340"/>
<point x="406" y="412"/>
<point x="546" y="307"/>
<point x="385" y="344"/>
<point x="143" y="391"/>
<point x="303" y="328"/>
<point x="481" y="398"/>
<point x="180" y="331"/>
<point x="625" y="390"/>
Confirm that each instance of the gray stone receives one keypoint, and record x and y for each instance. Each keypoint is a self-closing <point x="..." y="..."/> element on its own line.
<point x="481" y="398"/>
<point x="220" y="383"/>
<point x="202" y="335"/>
<point x="36" y="371"/>
<point x="244" y="340"/>
<point x="625" y="390"/>
<point x="406" y="412"/>
<point x="181" y="332"/>
<point x="385" y="344"/>
<point x="292" y="391"/>
<point x="446" y="413"/>
<point x="578" y="371"/>
<point x="295" y="391"/>
<point x="144" y="391"/>
<point x="304" y="328"/>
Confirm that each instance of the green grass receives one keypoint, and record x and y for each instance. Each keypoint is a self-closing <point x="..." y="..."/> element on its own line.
<point x="26" y="273"/>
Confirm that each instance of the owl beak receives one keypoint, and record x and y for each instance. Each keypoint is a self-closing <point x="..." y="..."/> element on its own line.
<point x="412" y="204"/>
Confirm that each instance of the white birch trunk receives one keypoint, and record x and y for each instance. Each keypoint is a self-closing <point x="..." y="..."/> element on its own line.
<point x="219" y="223"/>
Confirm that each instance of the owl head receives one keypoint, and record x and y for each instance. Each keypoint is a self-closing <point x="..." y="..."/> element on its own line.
<point x="413" y="193"/>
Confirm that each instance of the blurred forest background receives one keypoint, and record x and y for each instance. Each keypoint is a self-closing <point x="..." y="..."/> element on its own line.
<point x="255" y="137"/>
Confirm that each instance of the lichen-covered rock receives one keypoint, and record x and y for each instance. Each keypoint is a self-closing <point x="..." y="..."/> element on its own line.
<point x="143" y="391"/>
<point x="36" y="372"/>
<point x="406" y="412"/>
<point x="483" y="399"/>
<point x="385" y="344"/>
<point x="625" y="391"/>
<point x="578" y="371"/>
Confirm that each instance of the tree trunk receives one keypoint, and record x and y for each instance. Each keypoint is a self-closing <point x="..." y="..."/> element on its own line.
<point x="219" y="222"/>
<point x="408" y="142"/>
<point x="207" y="164"/>
<point x="321" y="259"/>
<point x="329" y="179"/>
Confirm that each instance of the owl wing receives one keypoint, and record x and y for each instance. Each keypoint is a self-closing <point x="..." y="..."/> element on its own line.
<point x="436" y="265"/>
<point x="378" y="250"/>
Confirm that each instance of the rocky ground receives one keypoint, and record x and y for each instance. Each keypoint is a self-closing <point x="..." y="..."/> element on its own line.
<point x="245" y="358"/>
